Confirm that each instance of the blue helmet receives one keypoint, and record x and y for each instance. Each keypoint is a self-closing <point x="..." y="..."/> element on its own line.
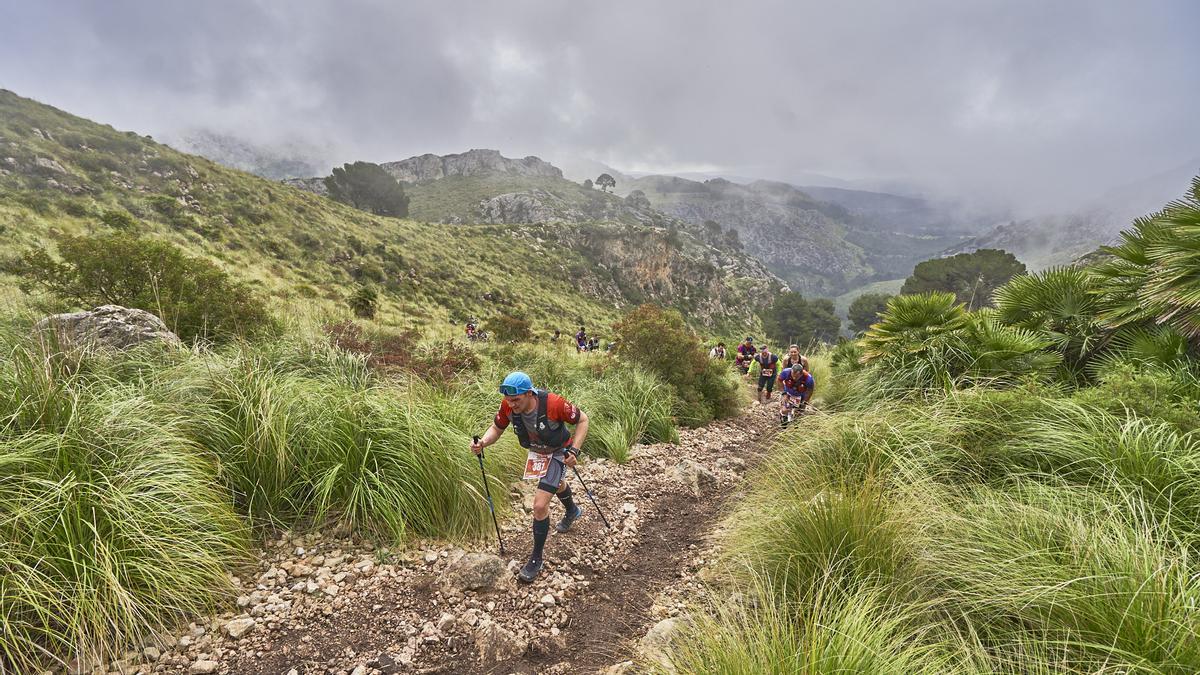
<point x="516" y="383"/>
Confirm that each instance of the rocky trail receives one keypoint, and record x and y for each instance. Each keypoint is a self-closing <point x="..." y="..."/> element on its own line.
<point x="322" y="605"/>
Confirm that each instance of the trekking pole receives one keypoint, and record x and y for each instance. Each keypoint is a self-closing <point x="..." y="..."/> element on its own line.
<point x="488" y="491"/>
<point x="593" y="499"/>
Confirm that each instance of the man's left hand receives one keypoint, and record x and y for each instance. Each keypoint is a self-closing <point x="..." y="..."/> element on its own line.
<point x="569" y="459"/>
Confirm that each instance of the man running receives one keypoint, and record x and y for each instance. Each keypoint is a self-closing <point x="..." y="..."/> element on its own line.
<point x="798" y="385"/>
<point x="766" y="373"/>
<point x="745" y="352"/>
<point x="540" y="421"/>
<point x="581" y="340"/>
<point x="794" y="358"/>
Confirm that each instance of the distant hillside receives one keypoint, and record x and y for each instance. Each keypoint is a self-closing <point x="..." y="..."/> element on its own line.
<point x="482" y="186"/>
<point x="1058" y="239"/>
<point x="821" y="246"/>
<point x="59" y="172"/>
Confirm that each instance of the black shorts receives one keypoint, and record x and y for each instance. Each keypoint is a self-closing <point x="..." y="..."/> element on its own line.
<point x="554" y="475"/>
<point x="766" y="382"/>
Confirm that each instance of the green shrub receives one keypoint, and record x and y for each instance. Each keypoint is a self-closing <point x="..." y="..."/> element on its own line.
<point x="1070" y="568"/>
<point x="367" y="186"/>
<point x="365" y="301"/>
<point x="837" y="631"/>
<point x="119" y="219"/>
<point x="629" y="406"/>
<point x="193" y="296"/>
<point x="658" y="341"/>
<point x="1168" y="395"/>
<point x="507" y="328"/>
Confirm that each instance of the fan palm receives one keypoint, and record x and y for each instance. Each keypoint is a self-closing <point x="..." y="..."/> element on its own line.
<point x="992" y="348"/>
<point x="1061" y="305"/>
<point x="914" y="325"/>
<point x="1154" y="274"/>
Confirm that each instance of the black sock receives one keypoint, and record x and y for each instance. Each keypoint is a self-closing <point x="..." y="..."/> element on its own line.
<point x="568" y="500"/>
<point x="541" y="529"/>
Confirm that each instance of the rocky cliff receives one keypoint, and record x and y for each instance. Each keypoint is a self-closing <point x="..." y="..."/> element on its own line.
<point x="428" y="167"/>
<point x="819" y="247"/>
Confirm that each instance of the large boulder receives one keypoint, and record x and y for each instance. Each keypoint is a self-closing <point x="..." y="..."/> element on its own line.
<point x="475" y="572"/>
<point x="109" y="327"/>
<point x="693" y="475"/>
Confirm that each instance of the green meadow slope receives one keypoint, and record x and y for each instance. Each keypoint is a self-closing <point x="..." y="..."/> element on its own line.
<point x="62" y="173"/>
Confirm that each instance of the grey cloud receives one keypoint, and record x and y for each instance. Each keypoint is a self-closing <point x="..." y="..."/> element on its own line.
<point x="1040" y="102"/>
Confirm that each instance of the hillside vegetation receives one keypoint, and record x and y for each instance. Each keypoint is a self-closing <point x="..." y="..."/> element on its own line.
<point x="132" y="485"/>
<point x="1010" y="490"/>
<point x="63" y="174"/>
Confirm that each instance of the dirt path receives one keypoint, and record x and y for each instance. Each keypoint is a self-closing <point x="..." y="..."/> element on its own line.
<point x="321" y="606"/>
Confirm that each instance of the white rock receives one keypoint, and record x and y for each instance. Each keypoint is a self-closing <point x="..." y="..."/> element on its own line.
<point x="548" y="600"/>
<point x="203" y="666"/>
<point x="239" y="627"/>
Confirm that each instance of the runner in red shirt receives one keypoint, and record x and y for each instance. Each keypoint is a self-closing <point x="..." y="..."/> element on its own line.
<point x="540" y="419"/>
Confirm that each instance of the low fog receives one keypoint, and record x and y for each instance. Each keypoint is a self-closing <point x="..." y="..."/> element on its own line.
<point x="1039" y="105"/>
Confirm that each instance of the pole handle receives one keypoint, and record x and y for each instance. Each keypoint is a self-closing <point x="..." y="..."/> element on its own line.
<point x="476" y="440"/>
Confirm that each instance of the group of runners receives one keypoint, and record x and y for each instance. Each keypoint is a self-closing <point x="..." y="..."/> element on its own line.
<point x="791" y="372"/>
<point x="583" y="341"/>
<point x="541" y="421"/>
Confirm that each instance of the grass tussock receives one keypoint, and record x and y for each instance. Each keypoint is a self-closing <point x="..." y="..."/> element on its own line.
<point x="1009" y="531"/>
<point x="132" y="485"/>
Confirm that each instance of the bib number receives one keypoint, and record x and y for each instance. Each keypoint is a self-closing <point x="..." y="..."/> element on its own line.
<point x="768" y="373"/>
<point x="536" y="465"/>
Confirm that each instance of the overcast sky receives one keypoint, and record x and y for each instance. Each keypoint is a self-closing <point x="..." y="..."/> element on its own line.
<point x="1041" y="101"/>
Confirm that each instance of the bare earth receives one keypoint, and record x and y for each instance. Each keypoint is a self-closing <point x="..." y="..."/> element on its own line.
<point x="319" y="605"/>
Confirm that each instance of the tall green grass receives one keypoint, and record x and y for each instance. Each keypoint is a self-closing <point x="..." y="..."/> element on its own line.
<point x="832" y="632"/>
<point x="112" y="527"/>
<point x="131" y="485"/>
<point x="1013" y="531"/>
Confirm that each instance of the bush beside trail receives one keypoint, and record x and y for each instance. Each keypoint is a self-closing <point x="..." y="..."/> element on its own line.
<point x="658" y="341"/>
<point x="132" y="485"/>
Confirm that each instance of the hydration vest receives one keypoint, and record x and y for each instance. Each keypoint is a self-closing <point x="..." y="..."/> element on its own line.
<point x="551" y="435"/>
<point x="768" y="368"/>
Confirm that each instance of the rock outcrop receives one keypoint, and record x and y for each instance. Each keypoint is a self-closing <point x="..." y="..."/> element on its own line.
<point x="471" y="163"/>
<point x="313" y="185"/>
<point x="535" y="206"/>
<point x="107" y="327"/>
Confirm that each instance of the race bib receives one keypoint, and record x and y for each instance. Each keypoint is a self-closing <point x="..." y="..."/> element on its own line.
<point x="536" y="465"/>
<point x="768" y="372"/>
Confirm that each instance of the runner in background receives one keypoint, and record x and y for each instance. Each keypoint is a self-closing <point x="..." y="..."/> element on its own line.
<point x="767" y="363"/>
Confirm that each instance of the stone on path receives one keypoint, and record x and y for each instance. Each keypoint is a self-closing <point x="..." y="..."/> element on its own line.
<point x="692" y="475"/>
<point x="654" y="644"/>
<point x="497" y="644"/>
<point x="239" y="627"/>
<point x="475" y="572"/>
<point x="203" y="666"/>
